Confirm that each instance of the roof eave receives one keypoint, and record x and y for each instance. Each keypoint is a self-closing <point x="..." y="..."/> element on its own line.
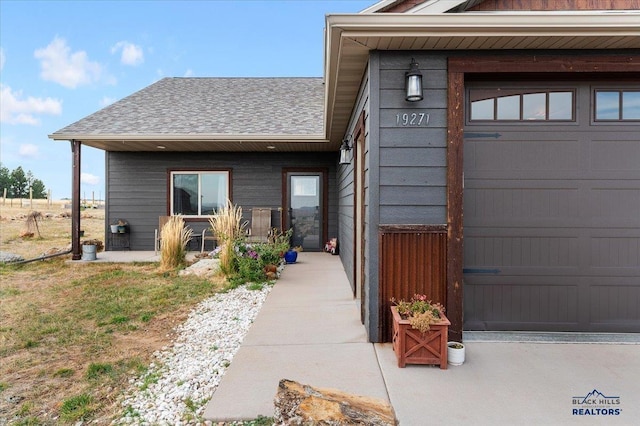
<point x="220" y="137"/>
<point x="348" y="33"/>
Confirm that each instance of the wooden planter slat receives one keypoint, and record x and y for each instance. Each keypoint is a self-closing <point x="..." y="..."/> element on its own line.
<point x="413" y="347"/>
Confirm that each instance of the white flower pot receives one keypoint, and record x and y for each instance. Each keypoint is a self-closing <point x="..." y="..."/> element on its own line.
<point x="455" y="356"/>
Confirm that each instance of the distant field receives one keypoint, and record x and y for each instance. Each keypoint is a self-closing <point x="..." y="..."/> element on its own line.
<point x="53" y="228"/>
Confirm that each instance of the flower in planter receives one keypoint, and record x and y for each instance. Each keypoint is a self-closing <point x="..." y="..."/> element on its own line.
<point x="420" y="311"/>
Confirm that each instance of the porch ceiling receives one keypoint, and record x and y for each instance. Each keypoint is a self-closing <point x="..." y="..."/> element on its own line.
<point x="351" y="37"/>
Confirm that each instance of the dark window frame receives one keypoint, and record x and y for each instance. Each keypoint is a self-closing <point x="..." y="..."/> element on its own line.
<point x="199" y="172"/>
<point x="524" y="90"/>
<point x="620" y="92"/>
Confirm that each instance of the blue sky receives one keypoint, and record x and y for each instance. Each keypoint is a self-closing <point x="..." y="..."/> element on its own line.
<point x="63" y="60"/>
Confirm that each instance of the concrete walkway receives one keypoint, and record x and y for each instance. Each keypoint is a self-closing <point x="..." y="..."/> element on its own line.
<point x="309" y="330"/>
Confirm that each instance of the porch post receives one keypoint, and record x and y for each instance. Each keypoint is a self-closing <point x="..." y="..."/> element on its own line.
<point x="75" y="200"/>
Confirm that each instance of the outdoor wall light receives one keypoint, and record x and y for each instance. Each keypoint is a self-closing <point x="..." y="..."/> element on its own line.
<point x="413" y="83"/>
<point x="345" y="151"/>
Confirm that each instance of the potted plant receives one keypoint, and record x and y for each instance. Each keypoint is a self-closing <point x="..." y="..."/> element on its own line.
<point x="119" y="226"/>
<point x="90" y="248"/>
<point x="455" y="353"/>
<point x="420" y="331"/>
<point x="291" y="256"/>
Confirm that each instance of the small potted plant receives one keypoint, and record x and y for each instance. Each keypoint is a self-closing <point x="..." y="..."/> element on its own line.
<point x="291" y="256"/>
<point x="455" y="353"/>
<point x="119" y="226"/>
<point x="420" y="331"/>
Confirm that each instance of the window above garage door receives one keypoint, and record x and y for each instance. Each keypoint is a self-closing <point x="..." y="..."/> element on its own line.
<point x="617" y="105"/>
<point x="525" y="104"/>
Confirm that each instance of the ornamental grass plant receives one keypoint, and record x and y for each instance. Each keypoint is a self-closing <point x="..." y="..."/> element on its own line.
<point x="173" y="245"/>
<point x="228" y="227"/>
<point x="420" y="311"/>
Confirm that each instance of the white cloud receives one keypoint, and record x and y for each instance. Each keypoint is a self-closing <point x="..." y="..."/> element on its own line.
<point x="28" y="150"/>
<point x="89" y="179"/>
<point x="189" y="73"/>
<point x="2" y="58"/>
<point x="68" y="69"/>
<point x="106" y="101"/>
<point x="131" y="53"/>
<point x="14" y="110"/>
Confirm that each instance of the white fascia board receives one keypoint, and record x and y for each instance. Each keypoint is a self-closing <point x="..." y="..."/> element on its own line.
<point x="436" y="6"/>
<point x="378" y="6"/>
<point x="473" y="24"/>
<point x="187" y="137"/>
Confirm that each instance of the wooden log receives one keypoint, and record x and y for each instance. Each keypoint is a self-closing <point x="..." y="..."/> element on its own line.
<point x="298" y="404"/>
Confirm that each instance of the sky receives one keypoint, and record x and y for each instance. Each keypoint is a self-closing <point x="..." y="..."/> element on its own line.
<point x="61" y="61"/>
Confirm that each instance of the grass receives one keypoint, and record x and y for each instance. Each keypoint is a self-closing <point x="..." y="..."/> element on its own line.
<point x="72" y="335"/>
<point x="86" y="329"/>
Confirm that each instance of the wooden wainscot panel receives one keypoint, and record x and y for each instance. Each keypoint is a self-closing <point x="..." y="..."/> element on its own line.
<point x="413" y="260"/>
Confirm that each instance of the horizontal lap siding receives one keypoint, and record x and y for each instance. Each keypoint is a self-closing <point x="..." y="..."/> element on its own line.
<point x="346" y="188"/>
<point x="137" y="185"/>
<point x="413" y="159"/>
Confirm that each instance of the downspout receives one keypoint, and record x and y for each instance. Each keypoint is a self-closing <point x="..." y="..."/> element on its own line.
<point x="43" y="257"/>
<point x="75" y="200"/>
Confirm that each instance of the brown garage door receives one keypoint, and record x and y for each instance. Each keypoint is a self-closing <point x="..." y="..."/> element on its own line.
<point x="552" y="207"/>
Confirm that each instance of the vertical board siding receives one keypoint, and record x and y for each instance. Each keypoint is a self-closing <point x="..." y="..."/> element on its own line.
<point x="137" y="185"/>
<point x="413" y="260"/>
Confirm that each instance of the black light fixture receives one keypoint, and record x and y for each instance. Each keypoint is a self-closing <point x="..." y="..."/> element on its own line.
<point x="413" y="82"/>
<point x="345" y="151"/>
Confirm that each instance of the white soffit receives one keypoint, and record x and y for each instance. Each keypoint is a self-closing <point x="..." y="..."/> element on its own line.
<point x="351" y="37"/>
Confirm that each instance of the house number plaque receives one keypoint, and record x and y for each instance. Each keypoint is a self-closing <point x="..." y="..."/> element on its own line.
<point x="412" y="119"/>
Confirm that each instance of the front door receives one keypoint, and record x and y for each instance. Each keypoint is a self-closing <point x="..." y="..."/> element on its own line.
<point x="305" y="209"/>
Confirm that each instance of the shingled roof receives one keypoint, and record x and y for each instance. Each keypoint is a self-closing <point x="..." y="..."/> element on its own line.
<point x="211" y="106"/>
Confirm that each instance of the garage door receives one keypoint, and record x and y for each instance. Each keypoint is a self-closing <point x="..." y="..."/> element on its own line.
<point x="552" y="207"/>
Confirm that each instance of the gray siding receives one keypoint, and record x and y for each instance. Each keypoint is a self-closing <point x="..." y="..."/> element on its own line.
<point x="346" y="194"/>
<point x="137" y="185"/>
<point x="413" y="173"/>
<point x="405" y="167"/>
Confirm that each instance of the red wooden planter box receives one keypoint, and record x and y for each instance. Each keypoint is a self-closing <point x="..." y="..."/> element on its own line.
<point x="413" y="347"/>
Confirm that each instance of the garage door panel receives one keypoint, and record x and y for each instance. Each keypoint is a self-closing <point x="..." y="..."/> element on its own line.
<point x="531" y="156"/>
<point x="510" y="206"/>
<point x="619" y="156"/>
<point x="497" y="306"/>
<point x="614" y="301"/>
<point x="615" y="254"/>
<point x="615" y="206"/>
<point x="557" y="255"/>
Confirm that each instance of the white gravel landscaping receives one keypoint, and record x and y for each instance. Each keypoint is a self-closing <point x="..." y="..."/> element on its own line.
<point x="183" y="377"/>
